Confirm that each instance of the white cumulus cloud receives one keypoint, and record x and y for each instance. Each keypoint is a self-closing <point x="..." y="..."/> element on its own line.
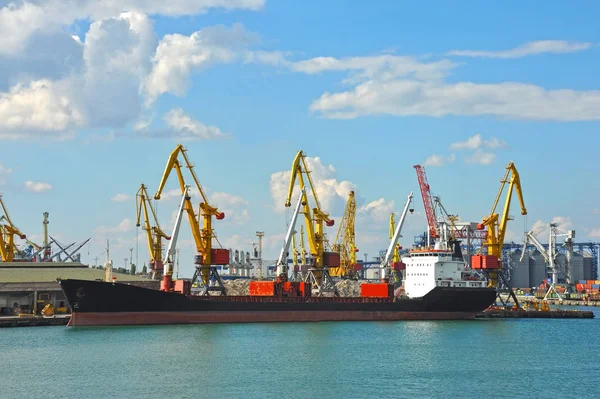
<point x="378" y="210"/>
<point x="541" y="228"/>
<point x="121" y="198"/>
<point x="476" y="142"/>
<point x="104" y="93"/>
<point x="42" y="109"/>
<point x="381" y="67"/>
<point x="37" y="186"/>
<point x="594" y="233"/>
<point x="511" y="100"/>
<point x="531" y="48"/>
<point x="4" y="172"/>
<point x="19" y="21"/>
<point x="178" y="55"/>
<point x="234" y="206"/>
<point x="185" y="128"/>
<point x="439" y="160"/>
<point x="480" y="157"/>
<point x="124" y="226"/>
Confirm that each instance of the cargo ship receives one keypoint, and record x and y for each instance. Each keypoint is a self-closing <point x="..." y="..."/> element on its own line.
<point x="437" y="286"/>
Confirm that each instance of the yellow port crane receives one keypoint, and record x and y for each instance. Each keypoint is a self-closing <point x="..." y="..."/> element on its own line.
<point x="318" y="274"/>
<point x="496" y="230"/>
<point x="8" y="231"/>
<point x="345" y="242"/>
<point x="206" y="256"/>
<point x="295" y="260"/>
<point x="154" y="233"/>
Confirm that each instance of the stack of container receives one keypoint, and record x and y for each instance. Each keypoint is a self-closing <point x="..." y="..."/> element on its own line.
<point x="588" y="286"/>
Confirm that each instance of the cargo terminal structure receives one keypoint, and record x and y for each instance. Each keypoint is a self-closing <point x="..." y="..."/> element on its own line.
<point x="26" y="287"/>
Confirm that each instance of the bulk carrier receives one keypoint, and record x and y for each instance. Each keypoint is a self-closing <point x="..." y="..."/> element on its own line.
<point x="437" y="287"/>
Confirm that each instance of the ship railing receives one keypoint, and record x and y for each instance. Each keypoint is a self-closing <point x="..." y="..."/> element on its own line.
<point x="276" y="299"/>
<point x="459" y="283"/>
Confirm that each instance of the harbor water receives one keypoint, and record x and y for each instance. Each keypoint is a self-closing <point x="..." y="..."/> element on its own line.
<point x="532" y="358"/>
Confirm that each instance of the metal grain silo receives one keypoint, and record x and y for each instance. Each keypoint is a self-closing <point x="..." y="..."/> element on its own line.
<point x="537" y="268"/>
<point x="520" y="270"/>
<point x="561" y="265"/>
<point x="576" y="269"/>
<point x="587" y="266"/>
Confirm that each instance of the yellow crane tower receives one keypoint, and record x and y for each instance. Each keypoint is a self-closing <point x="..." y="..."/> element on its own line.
<point x="345" y="242"/>
<point x="318" y="275"/>
<point x="154" y="233"/>
<point x="295" y="260"/>
<point x="8" y="231"/>
<point x="496" y="229"/>
<point x="207" y="256"/>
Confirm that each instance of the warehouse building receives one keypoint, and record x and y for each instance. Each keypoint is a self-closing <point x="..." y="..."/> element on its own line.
<point x="26" y="287"/>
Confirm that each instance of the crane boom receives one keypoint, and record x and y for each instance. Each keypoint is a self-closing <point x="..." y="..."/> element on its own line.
<point x="390" y="250"/>
<point x="154" y="233"/>
<point x="427" y="201"/>
<point x="396" y="257"/>
<point x="530" y="237"/>
<point x="7" y="238"/>
<point x="345" y="242"/>
<point x="282" y="264"/>
<point x="497" y="228"/>
<point x="171" y="250"/>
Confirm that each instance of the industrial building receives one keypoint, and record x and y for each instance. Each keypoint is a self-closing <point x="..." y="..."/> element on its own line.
<point x="26" y="287"/>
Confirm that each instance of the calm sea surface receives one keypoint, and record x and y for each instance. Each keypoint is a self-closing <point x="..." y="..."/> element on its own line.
<point x="469" y="359"/>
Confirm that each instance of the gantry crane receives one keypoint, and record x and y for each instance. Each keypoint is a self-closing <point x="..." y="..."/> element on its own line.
<point x="169" y="261"/>
<point x="299" y="257"/>
<point x="282" y="262"/>
<point x="303" y="256"/>
<point x="318" y="274"/>
<point x="345" y="242"/>
<point x="154" y="233"/>
<point x="551" y="254"/>
<point x="397" y="247"/>
<point x="496" y="228"/>
<point x="206" y="257"/>
<point x="427" y="202"/>
<point x="386" y="264"/>
<point x="440" y="224"/>
<point x="8" y="231"/>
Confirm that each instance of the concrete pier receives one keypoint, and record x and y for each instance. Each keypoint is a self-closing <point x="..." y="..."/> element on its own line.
<point x="34" y="321"/>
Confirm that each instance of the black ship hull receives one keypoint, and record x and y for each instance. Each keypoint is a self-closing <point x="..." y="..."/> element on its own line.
<point x="100" y="303"/>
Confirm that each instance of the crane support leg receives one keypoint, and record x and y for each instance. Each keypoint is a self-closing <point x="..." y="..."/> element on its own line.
<point x="321" y="282"/>
<point x="495" y="275"/>
<point x="212" y="283"/>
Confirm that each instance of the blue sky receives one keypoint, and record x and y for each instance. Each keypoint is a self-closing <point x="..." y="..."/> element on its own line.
<point x="94" y="97"/>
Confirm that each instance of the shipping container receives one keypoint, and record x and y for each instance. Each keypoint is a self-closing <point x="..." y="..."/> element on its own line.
<point x="484" y="262"/>
<point x="182" y="286"/>
<point x="331" y="259"/>
<point x="376" y="290"/>
<point x="292" y="288"/>
<point x="262" y="288"/>
<point x="399" y="266"/>
<point x="219" y="256"/>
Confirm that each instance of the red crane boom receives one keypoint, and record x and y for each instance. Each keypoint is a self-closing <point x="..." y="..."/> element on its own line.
<point x="427" y="200"/>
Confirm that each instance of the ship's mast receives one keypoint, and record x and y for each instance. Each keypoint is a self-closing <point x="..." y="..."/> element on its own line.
<point x="108" y="266"/>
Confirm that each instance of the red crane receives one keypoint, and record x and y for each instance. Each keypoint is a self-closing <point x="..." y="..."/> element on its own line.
<point x="427" y="200"/>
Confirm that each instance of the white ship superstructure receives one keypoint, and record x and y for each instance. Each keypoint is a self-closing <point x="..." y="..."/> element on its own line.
<point x="430" y="268"/>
